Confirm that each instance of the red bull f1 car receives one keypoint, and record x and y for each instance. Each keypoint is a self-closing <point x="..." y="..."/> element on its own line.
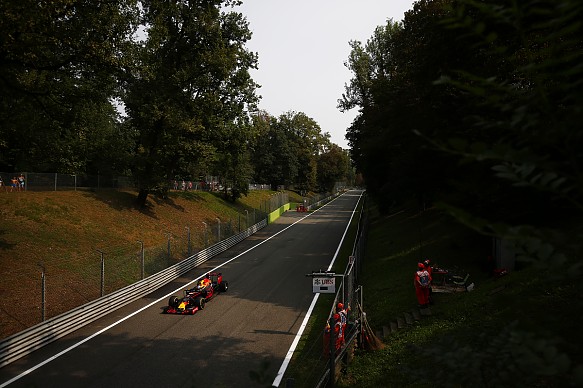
<point x="195" y="298"/>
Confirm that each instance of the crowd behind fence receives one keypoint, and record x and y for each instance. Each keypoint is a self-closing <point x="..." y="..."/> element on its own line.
<point x="33" y="181"/>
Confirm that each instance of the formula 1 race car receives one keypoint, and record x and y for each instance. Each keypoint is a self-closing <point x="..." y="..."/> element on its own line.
<point x="195" y="298"/>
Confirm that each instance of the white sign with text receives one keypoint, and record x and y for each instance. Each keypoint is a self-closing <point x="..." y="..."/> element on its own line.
<point x="325" y="285"/>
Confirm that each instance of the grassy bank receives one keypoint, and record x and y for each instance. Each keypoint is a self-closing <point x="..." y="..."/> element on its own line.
<point x="519" y="330"/>
<point x="64" y="233"/>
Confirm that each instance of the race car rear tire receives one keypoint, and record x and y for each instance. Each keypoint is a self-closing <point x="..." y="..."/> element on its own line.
<point x="199" y="302"/>
<point x="173" y="301"/>
<point x="224" y="286"/>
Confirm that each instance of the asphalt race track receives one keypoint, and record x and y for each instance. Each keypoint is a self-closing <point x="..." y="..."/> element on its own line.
<point x="253" y="323"/>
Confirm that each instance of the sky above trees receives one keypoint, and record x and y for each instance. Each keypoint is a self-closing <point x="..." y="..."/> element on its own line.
<point x="302" y="47"/>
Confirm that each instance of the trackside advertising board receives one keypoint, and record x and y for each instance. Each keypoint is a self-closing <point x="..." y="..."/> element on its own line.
<point x="325" y="285"/>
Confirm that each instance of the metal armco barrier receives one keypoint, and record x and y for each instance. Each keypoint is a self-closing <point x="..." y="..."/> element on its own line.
<point x="29" y="340"/>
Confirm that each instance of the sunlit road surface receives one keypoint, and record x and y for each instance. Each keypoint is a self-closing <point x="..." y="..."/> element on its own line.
<point x="252" y="325"/>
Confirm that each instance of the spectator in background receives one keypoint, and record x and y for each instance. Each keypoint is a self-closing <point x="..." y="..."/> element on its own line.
<point x="2" y="184"/>
<point x="21" y="182"/>
<point x="14" y="184"/>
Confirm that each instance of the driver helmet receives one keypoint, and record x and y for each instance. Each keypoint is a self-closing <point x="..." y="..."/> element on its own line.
<point x="420" y="265"/>
<point x="339" y="306"/>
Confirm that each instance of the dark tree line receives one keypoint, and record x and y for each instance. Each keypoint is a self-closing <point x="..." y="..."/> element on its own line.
<point x="476" y="106"/>
<point x="180" y="69"/>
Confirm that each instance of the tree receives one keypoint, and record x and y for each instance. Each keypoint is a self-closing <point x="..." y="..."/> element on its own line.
<point x="59" y="67"/>
<point x="306" y="142"/>
<point x="286" y="150"/>
<point x="192" y="87"/>
<point x="275" y="162"/>
<point x="485" y="106"/>
<point x="333" y="166"/>
<point x="393" y="86"/>
<point x="234" y="162"/>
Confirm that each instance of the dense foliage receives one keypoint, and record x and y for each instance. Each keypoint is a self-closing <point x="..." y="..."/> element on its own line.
<point x="180" y="71"/>
<point x="476" y="106"/>
<point x="291" y="150"/>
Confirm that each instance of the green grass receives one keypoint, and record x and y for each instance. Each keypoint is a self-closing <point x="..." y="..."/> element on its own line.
<point x="519" y="330"/>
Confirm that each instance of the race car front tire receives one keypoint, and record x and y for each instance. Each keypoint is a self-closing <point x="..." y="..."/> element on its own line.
<point x="224" y="286"/>
<point x="199" y="302"/>
<point x="173" y="301"/>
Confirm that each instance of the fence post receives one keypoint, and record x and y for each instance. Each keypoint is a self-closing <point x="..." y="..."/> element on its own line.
<point x="43" y="289"/>
<point x="205" y="235"/>
<point x="55" y="181"/>
<point x="102" y="272"/>
<point x="332" y="348"/>
<point x="169" y="254"/>
<point x="219" y="229"/>
<point x="189" y="248"/>
<point x="142" y="254"/>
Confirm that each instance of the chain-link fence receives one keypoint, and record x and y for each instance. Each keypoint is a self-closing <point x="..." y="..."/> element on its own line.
<point x="33" y="181"/>
<point x="76" y="278"/>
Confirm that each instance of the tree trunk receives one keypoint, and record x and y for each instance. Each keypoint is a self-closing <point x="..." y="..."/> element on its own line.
<point x="142" y="197"/>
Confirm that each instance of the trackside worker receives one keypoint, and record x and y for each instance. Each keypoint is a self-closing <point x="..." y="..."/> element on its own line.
<point x="338" y="332"/>
<point x="343" y="313"/>
<point x="422" y="280"/>
<point x="429" y="269"/>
